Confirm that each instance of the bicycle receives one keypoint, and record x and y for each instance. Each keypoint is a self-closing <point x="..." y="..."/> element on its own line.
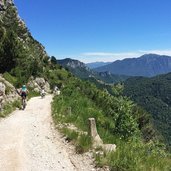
<point x="42" y="94"/>
<point x="23" y="102"/>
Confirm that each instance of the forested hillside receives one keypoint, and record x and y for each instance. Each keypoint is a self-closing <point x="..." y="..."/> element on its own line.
<point x="154" y="95"/>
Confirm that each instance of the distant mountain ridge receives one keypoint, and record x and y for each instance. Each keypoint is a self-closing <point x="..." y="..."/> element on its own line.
<point x="97" y="64"/>
<point x="76" y="67"/>
<point x="82" y="71"/>
<point x="147" y="65"/>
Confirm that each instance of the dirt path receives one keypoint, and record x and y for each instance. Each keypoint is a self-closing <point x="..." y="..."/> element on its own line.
<point x="29" y="142"/>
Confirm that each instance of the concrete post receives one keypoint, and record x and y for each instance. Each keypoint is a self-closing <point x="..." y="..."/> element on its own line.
<point x="92" y="127"/>
<point x="93" y="133"/>
<point x="69" y="110"/>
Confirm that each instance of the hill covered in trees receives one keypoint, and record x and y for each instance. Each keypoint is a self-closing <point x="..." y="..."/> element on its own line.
<point x="154" y="95"/>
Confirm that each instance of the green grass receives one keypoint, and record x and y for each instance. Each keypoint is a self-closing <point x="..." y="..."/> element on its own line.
<point x="82" y="142"/>
<point x="132" y="154"/>
<point x="10" y="107"/>
<point x="71" y="135"/>
<point x="32" y="94"/>
<point x="136" y="156"/>
<point x="7" y="76"/>
<point x="81" y="110"/>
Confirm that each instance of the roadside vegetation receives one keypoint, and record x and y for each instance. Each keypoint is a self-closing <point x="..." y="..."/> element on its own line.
<point x="118" y="120"/>
<point x="10" y="107"/>
<point x="154" y="95"/>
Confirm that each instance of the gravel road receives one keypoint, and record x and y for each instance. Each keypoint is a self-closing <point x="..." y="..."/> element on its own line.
<point x="29" y="142"/>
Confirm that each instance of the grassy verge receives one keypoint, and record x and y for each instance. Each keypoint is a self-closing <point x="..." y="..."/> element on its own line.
<point x="135" y="156"/>
<point x="10" y="107"/>
<point x="33" y="94"/>
<point x="131" y="154"/>
<point x="82" y="142"/>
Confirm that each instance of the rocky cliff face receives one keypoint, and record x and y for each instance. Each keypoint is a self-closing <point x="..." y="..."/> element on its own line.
<point x="37" y="84"/>
<point x="76" y="67"/>
<point x="5" y="3"/>
<point x="105" y="74"/>
<point x="71" y="63"/>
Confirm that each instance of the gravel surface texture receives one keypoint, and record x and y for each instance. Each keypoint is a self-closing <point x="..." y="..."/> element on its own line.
<point x="29" y="142"/>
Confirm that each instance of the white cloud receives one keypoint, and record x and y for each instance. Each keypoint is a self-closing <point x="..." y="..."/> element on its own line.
<point x="110" y="57"/>
<point x="107" y="57"/>
<point x="160" y="52"/>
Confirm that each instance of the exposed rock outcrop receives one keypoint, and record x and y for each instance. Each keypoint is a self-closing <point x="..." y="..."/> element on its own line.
<point x="38" y="83"/>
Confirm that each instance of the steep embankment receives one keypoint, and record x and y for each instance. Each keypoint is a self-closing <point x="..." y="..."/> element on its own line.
<point x="154" y="95"/>
<point x="30" y="141"/>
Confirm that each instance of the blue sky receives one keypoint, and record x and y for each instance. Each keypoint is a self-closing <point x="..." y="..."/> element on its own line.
<point x="99" y="30"/>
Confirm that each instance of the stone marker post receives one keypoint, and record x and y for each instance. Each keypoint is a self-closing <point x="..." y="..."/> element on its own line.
<point x="96" y="140"/>
<point x="94" y="134"/>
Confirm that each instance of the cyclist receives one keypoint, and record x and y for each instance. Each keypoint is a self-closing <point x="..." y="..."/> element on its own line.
<point x="23" y="94"/>
<point x="56" y="90"/>
<point x="42" y="92"/>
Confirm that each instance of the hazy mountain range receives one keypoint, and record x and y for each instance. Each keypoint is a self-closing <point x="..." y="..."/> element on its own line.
<point x="97" y="64"/>
<point x="147" y="65"/>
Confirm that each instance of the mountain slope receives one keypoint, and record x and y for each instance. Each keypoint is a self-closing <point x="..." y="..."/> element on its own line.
<point x="147" y="65"/>
<point x="17" y="46"/>
<point x="76" y="67"/>
<point x="96" y="64"/>
<point x="21" y="55"/>
<point x="154" y="95"/>
<point x="82" y="71"/>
